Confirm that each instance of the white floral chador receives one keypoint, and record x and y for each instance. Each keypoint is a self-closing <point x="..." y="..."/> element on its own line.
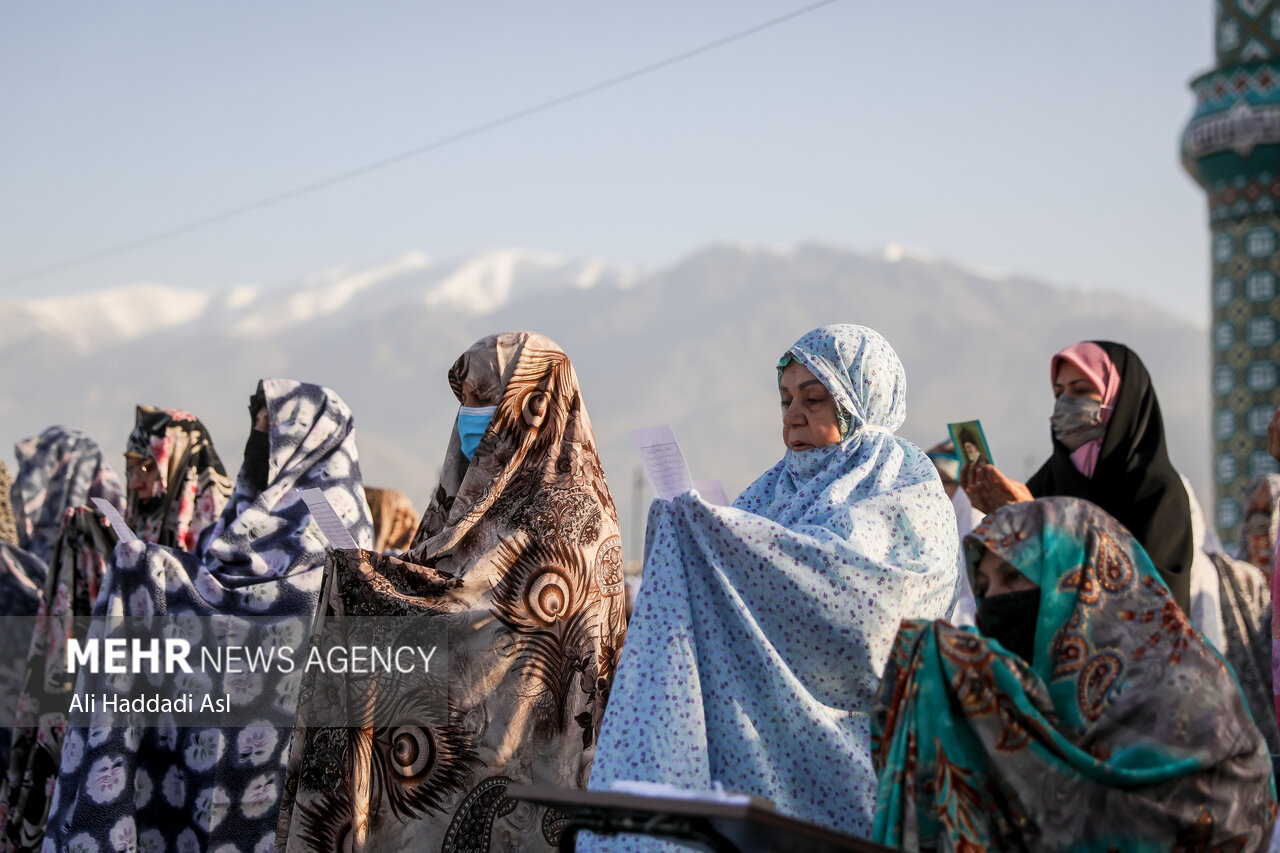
<point x="762" y="629"/>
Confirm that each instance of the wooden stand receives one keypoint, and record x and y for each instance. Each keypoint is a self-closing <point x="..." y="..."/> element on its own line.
<point x="721" y="827"/>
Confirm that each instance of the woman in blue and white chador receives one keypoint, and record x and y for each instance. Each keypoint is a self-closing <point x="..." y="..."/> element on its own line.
<point x="762" y="629"/>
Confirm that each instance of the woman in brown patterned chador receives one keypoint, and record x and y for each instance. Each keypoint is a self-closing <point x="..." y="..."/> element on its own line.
<point x="518" y="558"/>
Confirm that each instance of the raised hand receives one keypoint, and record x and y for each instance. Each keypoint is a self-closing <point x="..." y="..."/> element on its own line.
<point x="988" y="489"/>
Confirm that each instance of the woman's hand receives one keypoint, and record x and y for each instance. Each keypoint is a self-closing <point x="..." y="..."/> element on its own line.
<point x="988" y="489"/>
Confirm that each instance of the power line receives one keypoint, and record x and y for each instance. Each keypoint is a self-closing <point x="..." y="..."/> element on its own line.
<point x="396" y="159"/>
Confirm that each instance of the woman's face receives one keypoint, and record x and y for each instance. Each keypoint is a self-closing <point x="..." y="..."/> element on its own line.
<point x="473" y="399"/>
<point x="142" y="475"/>
<point x="1072" y="382"/>
<point x="997" y="577"/>
<point x="808" y="412"/>
<point x="1258" y="537"/>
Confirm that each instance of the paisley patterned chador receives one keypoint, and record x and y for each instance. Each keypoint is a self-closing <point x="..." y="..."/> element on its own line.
<point x="515" y="576"/>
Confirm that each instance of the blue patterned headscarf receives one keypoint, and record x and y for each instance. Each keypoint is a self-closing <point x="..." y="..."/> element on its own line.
<point x="867" y="382"/>
<point x="761" y="629"/>
<point x="861" y="372"/>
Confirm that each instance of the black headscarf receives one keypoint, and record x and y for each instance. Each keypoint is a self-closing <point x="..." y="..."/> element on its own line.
<point x="1134" y="480"/>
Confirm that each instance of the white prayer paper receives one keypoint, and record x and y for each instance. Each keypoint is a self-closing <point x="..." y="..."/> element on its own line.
<point x="712" y="491"/>
<point x="123" y="533"/>
<point x="327" y="520"/>
<point x="663" y="461"/>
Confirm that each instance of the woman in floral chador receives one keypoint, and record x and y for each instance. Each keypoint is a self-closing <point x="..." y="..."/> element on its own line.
<point x="177" y="485"/>
<point x="22" y="577"/>
<point x="761" y="629"/>
<point x="212" y="780"/>
<point x="58" y="470"/>
<point x="176" y="488"/>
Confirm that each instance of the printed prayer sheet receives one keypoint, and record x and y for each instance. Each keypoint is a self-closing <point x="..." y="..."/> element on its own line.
<point x="663" y="461"/>
<point x="327" y="520"/>
<point x="123" y="533"/>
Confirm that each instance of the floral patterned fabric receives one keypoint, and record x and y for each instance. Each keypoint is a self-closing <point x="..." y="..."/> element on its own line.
<point x="71" y="587"/>
<point x="192" y="487"/>
<point x="192" y="491"/>
<point x="518" y="563"/>
<point x="1246" y="622"/>
<point x="761" y="629"/>
<point x="22" y="578"/>
<point x="1269" y="485"/>
<point x="165" y="787"/>
<point x="58" y="470"/>
<point x="1127" y="731"/>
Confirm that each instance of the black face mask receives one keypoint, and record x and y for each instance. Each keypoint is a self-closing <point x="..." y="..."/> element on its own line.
<point x="257" y="453"/>
<point x="1011" y="619"/>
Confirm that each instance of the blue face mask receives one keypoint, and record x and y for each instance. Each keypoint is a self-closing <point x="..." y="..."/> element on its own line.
<point x="472" y="422"/>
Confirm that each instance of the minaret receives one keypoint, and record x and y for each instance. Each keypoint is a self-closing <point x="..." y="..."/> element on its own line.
<point x="1231" y="146"/>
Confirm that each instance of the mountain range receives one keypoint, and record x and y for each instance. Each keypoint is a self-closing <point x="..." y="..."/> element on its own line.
<point x="692" y="344"/>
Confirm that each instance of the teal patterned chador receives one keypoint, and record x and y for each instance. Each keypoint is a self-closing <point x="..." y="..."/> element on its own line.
<point x="1127" y="730"/>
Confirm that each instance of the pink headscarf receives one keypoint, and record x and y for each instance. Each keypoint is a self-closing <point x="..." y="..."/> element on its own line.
<point x="1098" y="368"/>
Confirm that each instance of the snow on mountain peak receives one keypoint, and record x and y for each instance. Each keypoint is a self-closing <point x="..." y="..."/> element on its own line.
<point x="324" y="293"/>
<point x="896" y="252"/>
<point x="88" y="320"/>
<point x="473" y="285"/>
<point x="482" y="283"/>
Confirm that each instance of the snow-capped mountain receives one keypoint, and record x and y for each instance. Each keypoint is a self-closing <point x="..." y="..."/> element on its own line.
<point x="475" y="285"/>
<point x="693" y="345"/>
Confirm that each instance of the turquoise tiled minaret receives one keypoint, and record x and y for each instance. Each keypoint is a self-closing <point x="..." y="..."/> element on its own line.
<point x="1231" y="146"/>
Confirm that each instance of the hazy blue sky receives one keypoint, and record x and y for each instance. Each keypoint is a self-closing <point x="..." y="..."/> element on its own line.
<point x="1040" y="137"/>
